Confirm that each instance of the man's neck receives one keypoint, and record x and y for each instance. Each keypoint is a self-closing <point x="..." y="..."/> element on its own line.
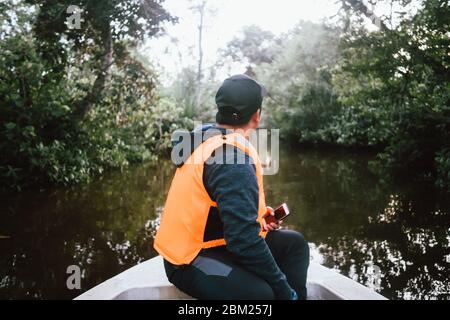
<point x="244" y="131"/>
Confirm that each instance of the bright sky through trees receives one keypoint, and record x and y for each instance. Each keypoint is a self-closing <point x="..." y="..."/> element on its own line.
<point x="225" y="21"/>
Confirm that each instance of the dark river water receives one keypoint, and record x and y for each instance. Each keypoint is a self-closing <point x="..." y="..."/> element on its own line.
<point x="392" y="238"/>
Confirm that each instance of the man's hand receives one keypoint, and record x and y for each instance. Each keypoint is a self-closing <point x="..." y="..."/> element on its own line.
<point x="272" y="226"/>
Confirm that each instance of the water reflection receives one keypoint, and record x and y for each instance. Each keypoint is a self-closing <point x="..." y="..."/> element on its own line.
<point x="104" y="228"/>
<point x="392" y="238"/>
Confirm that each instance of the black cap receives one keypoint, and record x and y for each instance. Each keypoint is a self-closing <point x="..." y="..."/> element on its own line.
<point x="238" y="99"/>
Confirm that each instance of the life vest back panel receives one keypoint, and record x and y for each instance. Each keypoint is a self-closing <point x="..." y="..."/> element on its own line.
<point x="180" y="236"/>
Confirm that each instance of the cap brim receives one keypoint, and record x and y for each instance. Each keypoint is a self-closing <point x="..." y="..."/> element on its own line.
<point x="264" y="92"/>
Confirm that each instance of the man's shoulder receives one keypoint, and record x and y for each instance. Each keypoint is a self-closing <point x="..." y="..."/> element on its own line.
<point x="229" y="155"/>
<point x="228" y="170"/>
<point x="230" y="164"/>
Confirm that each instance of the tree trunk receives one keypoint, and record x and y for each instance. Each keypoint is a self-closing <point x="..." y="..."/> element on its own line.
<point x="360" y="7"/>
<point x="200" y="41"/>
<point x="103" y="76"/>
<point x="198" y="92"/>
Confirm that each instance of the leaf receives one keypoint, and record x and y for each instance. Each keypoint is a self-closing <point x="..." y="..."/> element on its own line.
<point x="10" y="125"/>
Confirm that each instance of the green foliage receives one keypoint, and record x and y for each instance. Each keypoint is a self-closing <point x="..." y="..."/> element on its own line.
<point x="394" y="86"/>
<point x="137" y="19"/>
<point x="196" y="98"/>
<point x="97" y="43"/>
<point x="303" y="102"/>
<point x="42" y="141"/>
<point x="253" y="47"/>
<point x="35" y="117"/>
<point x="387" y="88"/>
<point x="443" y="169"/>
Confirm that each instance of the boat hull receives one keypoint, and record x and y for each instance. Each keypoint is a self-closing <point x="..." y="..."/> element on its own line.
<point x="148" y="281"/>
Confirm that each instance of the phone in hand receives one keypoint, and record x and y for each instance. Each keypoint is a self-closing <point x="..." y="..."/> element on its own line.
<point x="280" y="213"/>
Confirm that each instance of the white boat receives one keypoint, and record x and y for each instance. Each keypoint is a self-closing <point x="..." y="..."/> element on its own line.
<point x="148" y="281"/>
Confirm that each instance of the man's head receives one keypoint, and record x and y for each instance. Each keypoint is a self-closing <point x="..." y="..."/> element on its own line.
<point x="239" y="101"/>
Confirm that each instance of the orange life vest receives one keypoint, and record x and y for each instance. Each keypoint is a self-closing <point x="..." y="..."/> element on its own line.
<point x="180" y="236"/>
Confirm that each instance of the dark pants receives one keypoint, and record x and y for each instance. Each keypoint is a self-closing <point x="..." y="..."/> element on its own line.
<point x="216" y="275"/>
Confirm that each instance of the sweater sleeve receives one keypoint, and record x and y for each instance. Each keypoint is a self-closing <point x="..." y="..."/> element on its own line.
<point x="234" y="188"/>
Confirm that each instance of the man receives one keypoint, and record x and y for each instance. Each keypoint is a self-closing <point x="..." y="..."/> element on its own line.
<point x="213" y="236"/>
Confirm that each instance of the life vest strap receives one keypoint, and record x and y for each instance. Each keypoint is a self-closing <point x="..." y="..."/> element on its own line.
<point x="214" y="243"/>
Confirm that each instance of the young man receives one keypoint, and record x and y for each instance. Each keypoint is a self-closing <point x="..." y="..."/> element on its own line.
<point x="213" y="236"/>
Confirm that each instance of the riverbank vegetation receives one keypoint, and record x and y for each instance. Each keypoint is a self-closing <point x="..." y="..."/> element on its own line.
<point x="388" y="89"/>
<point x="74" y="103"/>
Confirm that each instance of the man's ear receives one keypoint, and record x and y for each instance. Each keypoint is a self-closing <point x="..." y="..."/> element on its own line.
<point x="256" y="118"/>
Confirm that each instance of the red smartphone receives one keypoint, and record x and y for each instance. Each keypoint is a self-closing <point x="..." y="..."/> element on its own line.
<point x="280" y="214"/>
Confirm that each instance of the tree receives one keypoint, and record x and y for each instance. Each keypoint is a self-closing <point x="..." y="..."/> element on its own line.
<point x="399" y="76"/>
<point x="202" y="9"/>
<point x="105" y="24"/>
<point x="303" y="101"/>
<point x="253" y="48"/>
<point x="51" y="77"/>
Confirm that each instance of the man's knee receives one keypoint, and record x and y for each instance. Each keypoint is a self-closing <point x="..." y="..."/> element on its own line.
<point x="263" y="292"/>
<point x="298" y="241"/>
